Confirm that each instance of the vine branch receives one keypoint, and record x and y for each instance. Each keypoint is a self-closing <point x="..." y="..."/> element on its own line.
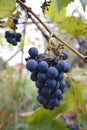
<point x="28" y="9"/>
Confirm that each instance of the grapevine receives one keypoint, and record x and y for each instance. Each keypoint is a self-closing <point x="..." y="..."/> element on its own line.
<point x="48" y="70"/>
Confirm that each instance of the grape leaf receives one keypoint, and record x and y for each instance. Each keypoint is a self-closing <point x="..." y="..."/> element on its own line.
<point x="59" y="4"/>
<point x="84" y="3"/>
<point x="79" y="75"/>
<point x="73" y="26"/>
<point x="45" y="119"/>
<point x="51" y="125"/>
<point x="6" y="8"/>
<point x="53" y="14"/>
<point x="83" y="117"/>
<point x="45" y="115"/>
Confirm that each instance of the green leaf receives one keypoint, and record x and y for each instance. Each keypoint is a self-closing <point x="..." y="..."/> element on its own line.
<point x="45" y="119"/>
<point x="73" y="26"/>
<point x="84" y="3"/>
<point x="45" y="115"/>
<point x="83" y="118"/>
<point x="54" y="15"/>
<point x="51" y="125"/>
<point x="6" y="8"/>
<point x="59" y="4"/>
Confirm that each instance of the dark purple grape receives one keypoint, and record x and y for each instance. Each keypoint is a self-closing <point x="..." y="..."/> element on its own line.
<point x="54" y="102"/>
<point x="60" y="76"/>
<point x="68" y="84"/>
<point x="18" y="37"/>
<point x="58" y="94"/>
<point x="9" y="40"/>
<point x="42" y="55"/>
<point x="42" y="99"/>
<point x="66" y="68"/>
<point x="39" y="84"/>
<point x="7" y="34"/>
<point x="52" y="72"/>
<point x="46" y="91"/>
<point x="32" y="65"/>
<point x="12" y="35"/>
<point x="33" y="76"/>
<point x="63" y="66"/>
<point x="33" y="51"/>
<point x="48" y="106"/>
<point x="43" y="66"/>
<point x="62" y="86"/>
<point x="15" y="20"/>
<point x="65" y="55"/>
<point x="51" y="83"/>
<point x="14" y="42"/>
<point x="57" y="84"/>
<point x="42" y="77"/>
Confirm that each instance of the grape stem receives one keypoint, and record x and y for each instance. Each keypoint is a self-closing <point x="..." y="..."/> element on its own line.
<point x="28" y="9"/>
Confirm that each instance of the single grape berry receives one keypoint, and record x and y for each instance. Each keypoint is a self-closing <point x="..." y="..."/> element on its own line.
<point x="58" y="94"/>
<point x="14" y="42"/>
<point x="42" y="77"/>
<point x="51" y="83"/>
<point x="18" y="37"/>
<point x="54" y="102"/>
<point x="60" y="76"/>
<point x="43" y="66"/>
<point x="7" y="34"/>
<point x="39" y="84"/>
<point x="65" y="55"/>
<point x="33" y="51"/>
<point x="33" y="76"/>
<point x="46" y="91"/>
<point x="52" y="72"/>
<point x="32" y="65"/>
<point x="41" y="99"/>
<point x="15" y="20"/>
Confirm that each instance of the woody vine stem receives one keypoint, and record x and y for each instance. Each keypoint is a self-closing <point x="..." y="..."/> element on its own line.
<point x="29" y="10"/>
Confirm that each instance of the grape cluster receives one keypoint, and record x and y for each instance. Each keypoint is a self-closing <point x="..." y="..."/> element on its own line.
<point x="73" y="126"/>
<point x="12" y="37"/>
<point x="70" y="121"/>
<point x="48" y="74"/>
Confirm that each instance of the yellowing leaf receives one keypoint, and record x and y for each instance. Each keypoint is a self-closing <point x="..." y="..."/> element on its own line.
<point x="74" y="26"/>
<point x="6" y="8"/>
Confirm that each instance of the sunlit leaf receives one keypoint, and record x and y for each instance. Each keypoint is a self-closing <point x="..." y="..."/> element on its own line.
<point x="73" y="26"/>
<point x="6" y="8"/>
